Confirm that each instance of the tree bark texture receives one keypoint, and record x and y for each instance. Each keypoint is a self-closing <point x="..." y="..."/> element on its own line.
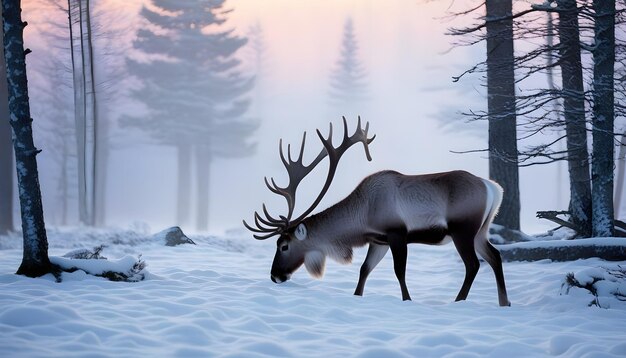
<point x="603" y="118"/>
<point x="35" y="260"/>
<point x="183" y="199"/>
<point x="502" y="111"/>
<point x="6" y="154"/>
<point x="574" y="115"/>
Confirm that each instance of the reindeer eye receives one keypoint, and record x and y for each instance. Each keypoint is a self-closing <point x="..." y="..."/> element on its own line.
<point x="284" y="248"/>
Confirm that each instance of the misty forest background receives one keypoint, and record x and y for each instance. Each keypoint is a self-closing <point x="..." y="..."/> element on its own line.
<point x="168" y="112"/>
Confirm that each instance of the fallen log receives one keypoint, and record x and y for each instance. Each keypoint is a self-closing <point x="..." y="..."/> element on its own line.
<point x="609" y="249"/>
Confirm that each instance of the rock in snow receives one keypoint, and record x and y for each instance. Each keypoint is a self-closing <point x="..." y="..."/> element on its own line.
<point x="173" y="236"/>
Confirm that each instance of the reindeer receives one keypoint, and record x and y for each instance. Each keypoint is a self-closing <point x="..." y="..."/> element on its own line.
<point x="386" y="210"/>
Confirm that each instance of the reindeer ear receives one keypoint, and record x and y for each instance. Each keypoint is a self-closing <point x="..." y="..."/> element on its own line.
<point x="301" y="232"/>
<point x="314" y="261"/>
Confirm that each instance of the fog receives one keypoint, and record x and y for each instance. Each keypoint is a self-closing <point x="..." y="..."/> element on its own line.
<point x="412" y="105"/>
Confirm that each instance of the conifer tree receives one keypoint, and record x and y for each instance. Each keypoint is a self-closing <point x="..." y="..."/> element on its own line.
<point x="348" y="85"/>
<point x="194" y="91"/>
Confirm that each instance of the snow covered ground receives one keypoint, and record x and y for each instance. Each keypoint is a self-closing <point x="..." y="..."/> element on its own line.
<point x="216" y="300"/>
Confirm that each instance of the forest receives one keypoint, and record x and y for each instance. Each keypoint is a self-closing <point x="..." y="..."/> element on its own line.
<point x="148" y="131"/>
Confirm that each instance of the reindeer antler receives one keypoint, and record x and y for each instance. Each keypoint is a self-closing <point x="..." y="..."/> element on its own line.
<point x="297" y="171"/>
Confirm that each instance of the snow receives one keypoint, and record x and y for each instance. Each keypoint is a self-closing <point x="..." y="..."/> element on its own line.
<point x="215" y="299"/>
<point x="96" y="267"/>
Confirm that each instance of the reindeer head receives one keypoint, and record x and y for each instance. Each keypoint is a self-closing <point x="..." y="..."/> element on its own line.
<point x="292" y="247"/>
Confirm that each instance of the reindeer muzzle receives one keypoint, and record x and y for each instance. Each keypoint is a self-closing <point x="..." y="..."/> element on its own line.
<point x="280" y="278"/>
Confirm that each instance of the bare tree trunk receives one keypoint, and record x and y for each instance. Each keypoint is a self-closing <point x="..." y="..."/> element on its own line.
<point x="102" y="160"/>
<point x="203" y="163"/>
<point x="574" y="115"/>
<point x="85" y="109"/>
<point x="502" y="112"/>
<point x="35" y="261"/>
<point x="91" y="112"/>
<point x="183" y="201"/>
<point x="6" y="154"/>
<point x="603" y="118"/>
<point x="555" y="104"/>
<point x="74" y="12"/>
<point x="63" y="187"/>
<point x="619" y="180"/>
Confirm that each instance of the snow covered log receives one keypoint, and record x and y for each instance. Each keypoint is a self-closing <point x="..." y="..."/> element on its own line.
<point x="128" y="269"/>
<point x="609" y="249"/>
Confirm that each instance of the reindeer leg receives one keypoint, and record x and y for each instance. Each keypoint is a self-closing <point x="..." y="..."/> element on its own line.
<point x="398" y="245"/>
<point x="375" y="253"/>
<point x="492" y="256"/>
<point x="465" y="246"/>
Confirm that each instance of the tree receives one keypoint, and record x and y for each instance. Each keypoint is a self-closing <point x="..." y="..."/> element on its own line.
<point x="348" y="85"/>
<point x="538" y="117"/>
<point x="85" y="105"/>
<point x="603" y="117"/>
<point x="195" y="98"/>
<point x="591" y="204"/>
<point x="54" y="96"/>
<point x="6" y="153"/>
<point x="502" y="110"/>
<point x="35" y="261"/>
<point x="573" y="94"/>
<point x="89" y="48"/>
<point x="256" y="56"/>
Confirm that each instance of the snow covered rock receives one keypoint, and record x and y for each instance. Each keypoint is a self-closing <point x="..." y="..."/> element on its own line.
<point x="173" y="236"/>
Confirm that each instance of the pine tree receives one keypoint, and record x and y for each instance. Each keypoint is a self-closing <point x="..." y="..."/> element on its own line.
<point x="194" y="91"/>
<point x="348" y="85"/>
<point x="256" y="58"/>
